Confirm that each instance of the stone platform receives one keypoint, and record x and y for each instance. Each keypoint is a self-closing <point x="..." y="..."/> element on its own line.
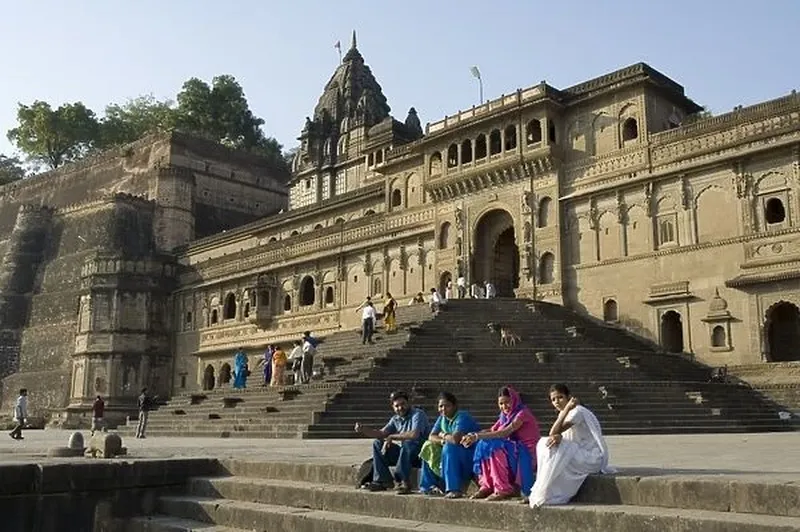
<point x="716" y="482"/>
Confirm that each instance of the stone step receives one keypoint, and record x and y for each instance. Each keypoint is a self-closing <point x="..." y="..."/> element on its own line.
<point x="258" y="516"/>
<point x="161" y="523"/>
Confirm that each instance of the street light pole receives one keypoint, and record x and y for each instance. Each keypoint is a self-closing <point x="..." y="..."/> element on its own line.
<point x="477" y="74"/>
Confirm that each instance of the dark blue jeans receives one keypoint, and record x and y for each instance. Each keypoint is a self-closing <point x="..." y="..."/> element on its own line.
<point x="403" y="457"/>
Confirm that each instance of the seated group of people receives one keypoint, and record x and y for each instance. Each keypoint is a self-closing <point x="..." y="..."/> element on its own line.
<point x="507" y="460"/>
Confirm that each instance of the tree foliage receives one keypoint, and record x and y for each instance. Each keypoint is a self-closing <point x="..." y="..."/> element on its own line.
<point x="124" y="123"/>
<point x="54" y="136"/>
<point x="10" y="169"/>
<point x="218" y="111"/>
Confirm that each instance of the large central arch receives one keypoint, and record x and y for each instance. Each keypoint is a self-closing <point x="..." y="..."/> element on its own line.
<point x="496" y="255"/>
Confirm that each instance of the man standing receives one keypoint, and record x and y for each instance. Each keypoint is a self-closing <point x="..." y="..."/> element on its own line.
<point x="397" y="444"/>
<point x="368" y="319"/>
<point x="20" y="414"/>
<point x="309" y="350"/>
<point x="461" y="283"/>
<point x="145" y="403"/>
<point x="98" y="410"/>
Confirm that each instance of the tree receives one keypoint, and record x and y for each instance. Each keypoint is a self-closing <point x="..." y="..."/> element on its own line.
<point x="220" y="112"/>
<point x="10" y="169"/>
<point x="134" y="119"/>
<point x="54" y="137"/>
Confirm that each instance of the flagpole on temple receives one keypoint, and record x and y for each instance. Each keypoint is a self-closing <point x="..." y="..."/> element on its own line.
<point x="338" y="47"/>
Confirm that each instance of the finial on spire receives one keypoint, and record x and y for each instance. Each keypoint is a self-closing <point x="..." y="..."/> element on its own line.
<point x="353" y="43"/>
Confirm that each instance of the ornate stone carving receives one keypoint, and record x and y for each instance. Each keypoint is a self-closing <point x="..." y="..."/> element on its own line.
<point x="686" y="193"/>
<point x="622" y="209"/>
<point x="742" y="180"/>
<point x="403" y="258"/>
<point x="387" y="260"/>
<point x="594" y="215"/>
<point x="527" y="202"/>
<point x="368" y="263"/>
<point x="296" y="281"/>
<point x="648" y="198"/>
<point x="459" y="219"/>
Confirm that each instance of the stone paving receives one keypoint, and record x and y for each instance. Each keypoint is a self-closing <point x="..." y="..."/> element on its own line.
<point x="763" y="456"/>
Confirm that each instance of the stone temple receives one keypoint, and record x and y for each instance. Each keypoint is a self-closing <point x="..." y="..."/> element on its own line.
<point x="150" y="264"/>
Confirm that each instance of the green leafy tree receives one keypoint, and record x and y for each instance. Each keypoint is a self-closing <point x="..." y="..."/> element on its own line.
<point x="220" y="112"/>
<point x="10" y="169"/>
<point x="54" y="136"/>
<point x="134" y="119"/>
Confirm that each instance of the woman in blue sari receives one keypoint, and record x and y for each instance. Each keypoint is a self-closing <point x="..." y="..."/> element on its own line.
<point x="446" y="462"/>
<point x="240" y="369"/>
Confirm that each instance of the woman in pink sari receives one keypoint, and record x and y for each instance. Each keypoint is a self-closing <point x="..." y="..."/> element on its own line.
<point x="505" y="455"/>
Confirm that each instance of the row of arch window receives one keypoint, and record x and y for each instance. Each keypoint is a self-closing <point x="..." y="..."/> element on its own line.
<point x="671" y="328"/>
<point x="317" y="227"/>
<point x="497" y="143"/>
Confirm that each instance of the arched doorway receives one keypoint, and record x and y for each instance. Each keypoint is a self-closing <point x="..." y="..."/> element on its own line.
<point x="225" y="374"/>
<point x="495" y="253"/>
<point x="208" y="378"/>
<point x="444" y="278"/>
<point x="672" y="332"/>
<point x="783" y="332"/>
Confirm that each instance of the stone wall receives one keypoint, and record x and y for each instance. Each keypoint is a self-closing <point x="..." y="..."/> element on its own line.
<point x="91" y="496"/>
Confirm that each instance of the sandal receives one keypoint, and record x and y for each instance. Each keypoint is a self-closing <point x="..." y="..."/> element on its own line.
<point x="454" y="495"/>
<point x="481" y="494"/>
<point x="499" y="496"/>
<point x="374" y="486"/>
<point x="433" y="492"/>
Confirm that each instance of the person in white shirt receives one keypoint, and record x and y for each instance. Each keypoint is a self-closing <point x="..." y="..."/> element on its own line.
<point x="368" y="319"/>
<point x="461" y="282"/>
<point x="20" y="414"/>
<point x="296" y="361"/>
<point x="309" y="350"/>
<point x="437" y="301"/>
<point x="490" y="290"/>
<point x="448" y="291"/>
<point x="364" y="303"/>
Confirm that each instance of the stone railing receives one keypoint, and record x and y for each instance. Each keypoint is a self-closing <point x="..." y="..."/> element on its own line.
<point x="480" y="111"/>
<point x="281" y="252"/>
<point x="631" y="158"/>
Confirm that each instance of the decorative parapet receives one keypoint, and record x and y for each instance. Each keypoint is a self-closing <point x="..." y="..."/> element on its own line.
<point x="111" y="265"/>
<point x="676" y="290"/>
<point x="279" y="253"/>
<point x="629" y="160"/>
<point x="105" y="200"/>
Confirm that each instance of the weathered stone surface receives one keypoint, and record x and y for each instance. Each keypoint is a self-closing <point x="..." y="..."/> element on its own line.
<point x="104" y="445"/>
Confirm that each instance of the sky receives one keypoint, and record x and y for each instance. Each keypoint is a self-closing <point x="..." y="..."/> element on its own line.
<point x="724" y="52"/>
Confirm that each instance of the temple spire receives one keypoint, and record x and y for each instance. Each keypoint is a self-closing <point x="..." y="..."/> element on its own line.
<point x="353" y="42"/>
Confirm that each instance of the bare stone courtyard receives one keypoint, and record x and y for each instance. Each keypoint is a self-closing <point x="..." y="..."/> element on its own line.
<point x="763" y="457"/>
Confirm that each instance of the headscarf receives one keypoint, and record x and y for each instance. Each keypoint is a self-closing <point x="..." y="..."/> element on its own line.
<point x="516" y="407"/>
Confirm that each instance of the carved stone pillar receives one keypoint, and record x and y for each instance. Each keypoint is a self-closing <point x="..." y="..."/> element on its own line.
<point x="689" y="213"/>
<point x="594" y="225"/>
<point x="622" y="218"/>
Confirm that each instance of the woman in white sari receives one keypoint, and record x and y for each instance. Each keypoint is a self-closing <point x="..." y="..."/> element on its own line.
<point x="574" y="450"/>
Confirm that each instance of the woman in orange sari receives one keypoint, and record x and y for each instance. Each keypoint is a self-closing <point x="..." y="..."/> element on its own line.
<point x="279" y="361"/>
<point x="390" y="314"/>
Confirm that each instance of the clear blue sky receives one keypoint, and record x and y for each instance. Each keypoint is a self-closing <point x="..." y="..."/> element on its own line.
<point x="725" y="52"/>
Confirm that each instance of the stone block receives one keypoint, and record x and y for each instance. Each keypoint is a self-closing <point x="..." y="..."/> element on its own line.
<point x="104" y="445"/>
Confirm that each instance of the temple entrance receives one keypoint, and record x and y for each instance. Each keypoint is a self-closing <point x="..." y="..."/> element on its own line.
<point x="225" y="374"/>
<point x="444" y="278"/>
<point x="672" y="332"/>
<point x="208" y="378"/>
<point x="495" y="254"/>
<point x="783" y="332"/>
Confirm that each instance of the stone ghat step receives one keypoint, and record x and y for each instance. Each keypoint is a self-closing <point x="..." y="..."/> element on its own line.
<point x="254" y="503"/>
<point x="285" y="481"/>
<point x="258" y="516"/>
<point x="162" y="523"/>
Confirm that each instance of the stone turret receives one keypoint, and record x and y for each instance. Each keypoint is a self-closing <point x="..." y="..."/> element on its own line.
<point x="174" y="220"/>
<point x="18" y="271"/>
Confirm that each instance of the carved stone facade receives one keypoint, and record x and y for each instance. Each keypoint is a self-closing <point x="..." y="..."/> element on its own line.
<point x="610" y="197"/>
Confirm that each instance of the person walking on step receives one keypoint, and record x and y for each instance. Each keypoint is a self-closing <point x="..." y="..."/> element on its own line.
<point x="145" y="404"/>
<point x="368" y="319"/>
<point x="491" y="291"/>
<point x="390" y="314"/>
<point x="279" y="362"/>
<point x="397" y="444"/>
<point x="307" y="362"/>
<point x="296" y="362"/>
<point x="574" y="450"/>
<point x="20" y="415"/>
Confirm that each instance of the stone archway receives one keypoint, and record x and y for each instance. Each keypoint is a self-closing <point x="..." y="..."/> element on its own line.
<point x="444" y="278"/>
<point x="209" y="381"/>
<point x="672" y="332"/>
<point x="495" y="253"/>
<point x="225" y="374"/>
<point x="783" y="332"/>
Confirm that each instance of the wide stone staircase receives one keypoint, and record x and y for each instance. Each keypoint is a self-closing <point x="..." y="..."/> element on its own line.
<point x="631" y="386"/>
<point x="311" y="497"/>
<point x="283" y="411"/>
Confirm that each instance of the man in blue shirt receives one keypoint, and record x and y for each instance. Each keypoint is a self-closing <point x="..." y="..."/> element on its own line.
<point x="397" y="444"/>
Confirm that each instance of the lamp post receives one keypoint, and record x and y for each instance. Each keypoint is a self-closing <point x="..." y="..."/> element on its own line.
<point x="477" y="75"/>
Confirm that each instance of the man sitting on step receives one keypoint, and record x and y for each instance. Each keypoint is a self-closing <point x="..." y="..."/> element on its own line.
<point x="397" y="444"/>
